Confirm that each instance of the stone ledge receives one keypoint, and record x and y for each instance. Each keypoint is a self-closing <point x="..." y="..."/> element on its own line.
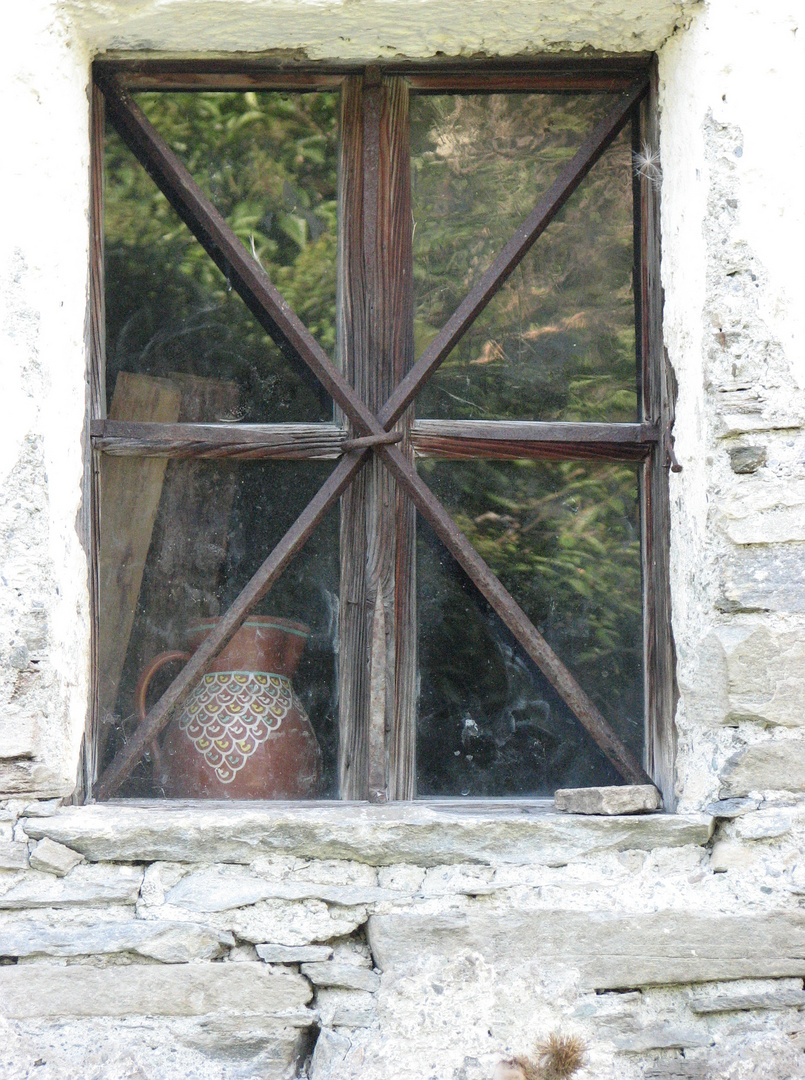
<point x="422" y="834"/>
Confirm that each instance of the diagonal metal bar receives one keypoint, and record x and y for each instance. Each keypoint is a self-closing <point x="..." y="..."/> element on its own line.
<point x="514" y="617"/>
<point x="288" y="547"/>
<point x="512" y="254"/>
<point x="244" y="273"/>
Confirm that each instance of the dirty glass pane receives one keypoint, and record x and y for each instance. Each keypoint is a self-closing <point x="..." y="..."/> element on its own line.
<point x="179" y="540"/>
<point x="564" y="539"/>
<point x="558" y="341"/>
<point x="268" y="161"/>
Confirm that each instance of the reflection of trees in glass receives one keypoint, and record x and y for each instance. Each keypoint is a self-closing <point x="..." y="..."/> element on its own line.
<point x="269" y="162"/>
<point x="558" y="340"/>
<point x="564" y="539"/>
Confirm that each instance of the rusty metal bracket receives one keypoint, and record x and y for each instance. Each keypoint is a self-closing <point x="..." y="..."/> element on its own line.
<point x="670" y="456"/>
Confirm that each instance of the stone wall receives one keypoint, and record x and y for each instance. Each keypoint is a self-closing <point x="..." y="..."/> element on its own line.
<point x="414" y="942"/>
<point x="405" y="942"/>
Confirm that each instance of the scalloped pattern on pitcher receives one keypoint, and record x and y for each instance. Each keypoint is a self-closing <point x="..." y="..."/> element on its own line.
<point x="231" y="713"/>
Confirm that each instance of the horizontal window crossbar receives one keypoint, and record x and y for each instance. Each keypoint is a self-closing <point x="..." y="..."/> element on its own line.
<point x="524" y="439"/>
<point x="542" y="75"/>
<point x="430" y="438"/>
<point x="288" y="442"/>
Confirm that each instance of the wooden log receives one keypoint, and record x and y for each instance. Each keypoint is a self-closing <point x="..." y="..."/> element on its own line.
<point x="130" y="494"/>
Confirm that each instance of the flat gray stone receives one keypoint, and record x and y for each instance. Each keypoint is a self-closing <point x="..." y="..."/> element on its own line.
<point x="95" y="885"/>
<point x="348" y="976"/>
<point x="42" y="990"/>
<point x="609" y="951"/>
<point x="626" y="799"/>
<point x="766" y="766"/>
<point x="342" y="1008"/>
<point x="13" y="856"/>
<point x="328" y="1055"/>
<point x="663" y="1037"/>
<point x="222" y="888"/>
<point x="379" y="835"/>
<point x="293" y="954"/>
<point x="764" y="577"/>
<point x="728" y="999"/>
<point x="678" y="1070"/>
<point x="732" y="808"/>
<point x="285" y="922"/>
<point x="171" y="943"/>
<point x="43" y="808"/>
<point x="53" y="858"/>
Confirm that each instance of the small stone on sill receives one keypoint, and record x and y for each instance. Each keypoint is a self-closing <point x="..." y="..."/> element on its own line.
<point x="627" y="799"/>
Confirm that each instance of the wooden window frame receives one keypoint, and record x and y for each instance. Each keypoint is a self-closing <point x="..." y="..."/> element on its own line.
<point x="373" y="436"/>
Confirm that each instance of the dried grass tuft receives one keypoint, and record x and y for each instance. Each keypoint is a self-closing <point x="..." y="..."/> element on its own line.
<point x="556" y="1058"/>
<point x="560" y="1056"/>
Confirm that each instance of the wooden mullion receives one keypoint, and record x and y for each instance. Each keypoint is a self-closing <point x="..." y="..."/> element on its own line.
<point x="354" y="636"/>
<point x="658" y="394"/>
<point x="396" y="511"/>
<point x="288" y="442"/>
<point x="96" y="393"/>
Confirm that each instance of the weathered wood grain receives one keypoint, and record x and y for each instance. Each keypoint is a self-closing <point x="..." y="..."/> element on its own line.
<point x="239" y="441"/>
<point x="89" y="519"/>
<point x="457" y="439"/>
<point x="130" y="495"/>
<point x="658" y="394"/>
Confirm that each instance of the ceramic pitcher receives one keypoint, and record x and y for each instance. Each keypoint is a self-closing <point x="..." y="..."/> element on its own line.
<point x="242" y="733"/>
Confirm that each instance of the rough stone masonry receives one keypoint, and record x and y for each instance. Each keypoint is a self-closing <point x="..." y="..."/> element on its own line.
<point x="412" y="943"/>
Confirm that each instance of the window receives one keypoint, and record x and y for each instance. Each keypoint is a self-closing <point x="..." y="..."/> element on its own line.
<point x="380" y="432"/>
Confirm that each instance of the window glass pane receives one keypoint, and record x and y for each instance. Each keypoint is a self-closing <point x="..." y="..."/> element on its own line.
<point x="558" y="341"/>
<point x="179" y="540"/>
<point x="268" y="161"/>
<point x="564" y="539"/>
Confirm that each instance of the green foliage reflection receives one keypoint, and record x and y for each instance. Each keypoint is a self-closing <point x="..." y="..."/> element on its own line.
<point x="557" y="342"/>
<point x="268" y="161"/>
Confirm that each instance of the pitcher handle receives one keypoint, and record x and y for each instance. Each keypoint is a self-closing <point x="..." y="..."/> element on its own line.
<point x="139" y="700"/>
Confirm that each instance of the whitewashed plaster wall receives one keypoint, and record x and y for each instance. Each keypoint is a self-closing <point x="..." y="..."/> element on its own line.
<point x="125" y="925"/>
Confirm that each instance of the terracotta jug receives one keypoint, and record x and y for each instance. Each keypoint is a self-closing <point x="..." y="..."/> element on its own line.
<point x="242" y="733"/>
